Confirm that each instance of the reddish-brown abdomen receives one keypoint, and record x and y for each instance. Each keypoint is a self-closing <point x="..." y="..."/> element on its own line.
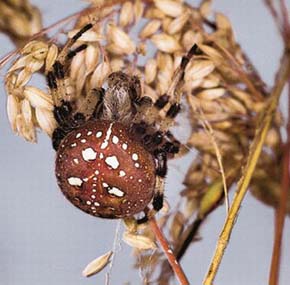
<point x="103" y="171"/>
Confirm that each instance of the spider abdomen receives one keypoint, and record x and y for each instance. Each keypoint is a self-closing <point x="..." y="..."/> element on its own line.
<point x="103" y="171"/>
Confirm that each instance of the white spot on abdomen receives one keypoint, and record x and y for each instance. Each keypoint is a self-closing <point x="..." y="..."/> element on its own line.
<point x="124" y="146"/>
<point x="108" y="134"/>
<point x="112" y="161"/>
<point x="115" y="139"/>
<point x="116" y="192"/>
<point x="122" y="173"/>
<point x="135" y="156"/>
<point x="99" y="134"/>
<point x="75" y="181"/>
<point x="89" y="154"/>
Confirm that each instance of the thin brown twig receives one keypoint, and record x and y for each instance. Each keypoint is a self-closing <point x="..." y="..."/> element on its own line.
<point x="282" y="208"/>
<point x="168" y="252"/>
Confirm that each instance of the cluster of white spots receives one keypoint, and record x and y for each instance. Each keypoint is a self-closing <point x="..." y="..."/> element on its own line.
<point x="73" y="144"/>
<point x="89" y="154"/>
<point x="137" y="165"/>
<point x="75" y="181"/>
<point x="116" y="192"/>
<point x="124" y="146"/>
<point x="135" y="156"/>
<point x="115" y="139"/>
<point x="99" y="134"/>
<point x="108" y="134"/>
<point x="112" y="161"/>
<point x="122" y="173"/>
<point x="78" y="135"/>
<point x="83" y="141"/>
<point x="89" y="133"/>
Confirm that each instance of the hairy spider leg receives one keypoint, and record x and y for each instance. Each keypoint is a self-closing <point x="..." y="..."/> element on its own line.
<point x="163" y="139"/>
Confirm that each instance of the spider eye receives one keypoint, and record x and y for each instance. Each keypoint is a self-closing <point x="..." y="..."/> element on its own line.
<point x="103" y="171"/>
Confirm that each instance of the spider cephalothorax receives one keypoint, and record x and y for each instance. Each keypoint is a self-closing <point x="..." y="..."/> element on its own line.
<point x="111" y="152"/>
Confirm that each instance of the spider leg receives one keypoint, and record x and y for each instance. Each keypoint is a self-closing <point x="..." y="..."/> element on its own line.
<point x="157" y="203"/>
<point x="170" y="102"/>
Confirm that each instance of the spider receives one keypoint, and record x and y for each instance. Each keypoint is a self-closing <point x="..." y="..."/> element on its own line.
<point x="112" y="154"/>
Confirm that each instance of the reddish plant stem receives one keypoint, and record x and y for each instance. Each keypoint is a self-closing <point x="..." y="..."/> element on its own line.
<point x="168" y="252"/>
<point x="285" y="181"/>
<point x="282" y="208"/>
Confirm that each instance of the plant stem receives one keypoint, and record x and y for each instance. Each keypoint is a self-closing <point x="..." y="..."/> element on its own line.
<point x="168" y="252"/>
<point x="254" y="153"/>
<point x="282" y="208"/>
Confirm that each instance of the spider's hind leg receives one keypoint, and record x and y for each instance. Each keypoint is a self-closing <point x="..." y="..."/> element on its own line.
<point x="157" y="202"/>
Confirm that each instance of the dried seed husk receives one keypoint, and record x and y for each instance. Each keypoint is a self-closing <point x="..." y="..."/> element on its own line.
<point x="13" y="109"/>
<point x="126" y="14"/>
<point x="100" y="74"/>
<point x="38" y="98"/>
<point x="150" y="70"/>
<point x="26" y="111"/>
<point x="177" y="24"/>
<point x="190" y="38"/>
<point x="76" y="64"/>
<point x="23" y="77"/>
<point x="150" y="28"/>
<point x="211" y="52"/>
<point x="211" y="197"/>
<point x="222" y="22"/>
<point x="51" y="57"/>
<point x="166" y="43"/>
<point x="169" y="7"/>
<point x="211" y="94"/>
<point x="120" y="39"/>
<point x="199" y="69"/>
<point x="97" y="264"/>
<point x="177" y="225"/>
<point x="211" y="81"/>
<point x="20" y="63"/>
<point x="205" y="8"/>
<point x="25" y="130"/>
<point x="91" y="58"/>
<point x="138" y="10"/>
<point x="138" y="241"/>
<point x="45" y="120"/>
